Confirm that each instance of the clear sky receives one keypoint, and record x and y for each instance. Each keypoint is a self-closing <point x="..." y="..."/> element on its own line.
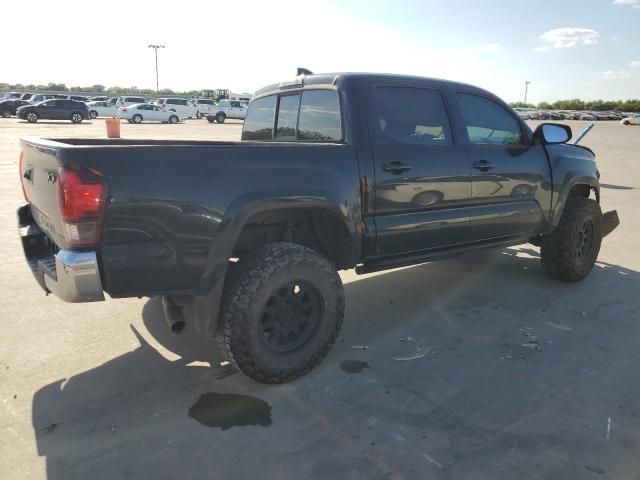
<point x="566" y="48"/>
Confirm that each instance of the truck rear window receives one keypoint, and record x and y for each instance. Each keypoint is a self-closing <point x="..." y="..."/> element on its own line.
<point x="312" y="117"/>
<point x="258" y="125"/>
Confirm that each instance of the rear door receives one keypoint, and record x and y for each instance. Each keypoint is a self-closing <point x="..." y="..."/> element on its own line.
<point x="510" y="174"/>
<point x="422" y="172"/>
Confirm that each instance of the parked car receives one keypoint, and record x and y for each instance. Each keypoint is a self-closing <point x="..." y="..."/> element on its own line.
<point x="126" y="101"/>
<point x="206" y="106"/>
<point x="12" y="95"/>
<point x="9" y="107"/>
<point x="113" y="100"/>
<point x="55" y="109"/>
<point x="632" y="120"/>
<point x="300" y="198"/>
<point x="147" y="112"/>
<point x="101" y="109"/>
<point x="184" y="108"/>
<point x="37" y="98"/>
<point x="99" y="99"/>
<point x="26" y="96"/>
<point x="228" y="109"/>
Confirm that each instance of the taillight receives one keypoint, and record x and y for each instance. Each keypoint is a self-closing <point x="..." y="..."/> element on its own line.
<point x="21" y="172"/>
<point x="82" y="198"/>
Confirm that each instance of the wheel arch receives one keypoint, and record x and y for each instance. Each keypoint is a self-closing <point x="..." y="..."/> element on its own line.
<point x="245" y="223"/>
<point x="583" y="186"/>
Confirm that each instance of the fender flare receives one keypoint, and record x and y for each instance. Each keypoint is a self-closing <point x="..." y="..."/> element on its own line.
<point x="563" y="195"/>
<point x="207" y="306"/>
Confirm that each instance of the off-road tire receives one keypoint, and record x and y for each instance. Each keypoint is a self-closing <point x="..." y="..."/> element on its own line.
<point x="249" y="286"/>
<point x="558" y="249"/>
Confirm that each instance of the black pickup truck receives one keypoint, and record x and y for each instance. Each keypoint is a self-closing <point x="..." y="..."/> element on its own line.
<point x="334" y="171"/>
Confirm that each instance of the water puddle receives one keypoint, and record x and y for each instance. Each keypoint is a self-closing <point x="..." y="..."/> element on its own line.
<point x="226" y="410"/>
<point x="353" y="366"/>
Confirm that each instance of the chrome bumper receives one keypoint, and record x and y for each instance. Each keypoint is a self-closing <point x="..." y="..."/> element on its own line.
<point x="72" y="276"/>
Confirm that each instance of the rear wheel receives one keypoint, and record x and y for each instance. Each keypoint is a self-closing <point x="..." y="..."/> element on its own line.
<point x="6" y="113"/>
<point x="570" y="252"/>
<point x="281" y="312"/>
<point x="220" y="117"/>
<point x="173" y="119"/>
<point x="76" y="117"/>
<point x="137" y="118"/>
<point x="93" y="114"/>
<point x="32" y="117"/>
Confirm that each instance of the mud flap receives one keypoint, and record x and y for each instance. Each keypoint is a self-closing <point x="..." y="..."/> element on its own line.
<point x="610" y="222"/>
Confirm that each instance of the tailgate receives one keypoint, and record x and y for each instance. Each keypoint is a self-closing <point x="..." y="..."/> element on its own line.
<point x="39" y="166"/>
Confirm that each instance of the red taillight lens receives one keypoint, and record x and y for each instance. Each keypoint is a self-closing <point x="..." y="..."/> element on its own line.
<point x="81" y="199"/>
<point x="21" y="172"/>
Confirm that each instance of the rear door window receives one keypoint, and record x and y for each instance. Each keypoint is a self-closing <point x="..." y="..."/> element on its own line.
<point x="287" y="117"/>
<point x="411" y="115"/>
<point x="258" y="124"/>
<point x="319" y="116"/>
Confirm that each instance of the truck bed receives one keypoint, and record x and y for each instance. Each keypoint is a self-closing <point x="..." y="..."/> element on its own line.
<point x="169" y="200"/>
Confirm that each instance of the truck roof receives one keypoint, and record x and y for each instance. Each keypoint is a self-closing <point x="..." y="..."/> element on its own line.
<point x="338" y="78"/>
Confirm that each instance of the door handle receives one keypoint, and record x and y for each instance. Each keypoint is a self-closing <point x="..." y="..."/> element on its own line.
<point x="396" y="167"/>
<point x="483" y="165"/>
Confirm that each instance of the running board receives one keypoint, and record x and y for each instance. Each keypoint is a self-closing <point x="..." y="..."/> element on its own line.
<point x="424" y="256"/>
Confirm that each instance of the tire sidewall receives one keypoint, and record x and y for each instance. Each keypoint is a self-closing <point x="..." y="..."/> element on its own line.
<point x="325" y="330"/>
<point x="584" y="268"/>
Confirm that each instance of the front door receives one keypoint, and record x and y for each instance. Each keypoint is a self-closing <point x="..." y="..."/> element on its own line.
<point x="422" y="183"/>
<point x="510" y="174"/>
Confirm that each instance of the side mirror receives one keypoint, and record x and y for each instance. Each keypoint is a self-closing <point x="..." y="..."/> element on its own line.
<point x="553" y="133"/>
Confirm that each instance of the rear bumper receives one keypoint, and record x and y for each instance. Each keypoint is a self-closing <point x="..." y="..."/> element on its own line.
<point x="610" y="222"/>
<point x="72" y="276"/>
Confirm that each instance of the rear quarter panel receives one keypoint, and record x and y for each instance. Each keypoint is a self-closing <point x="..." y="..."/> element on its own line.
<point x="175" y="211"/>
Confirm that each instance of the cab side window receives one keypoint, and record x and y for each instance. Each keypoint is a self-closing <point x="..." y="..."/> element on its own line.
<point x="411" y="115"/>
<point x="487" y="122"/>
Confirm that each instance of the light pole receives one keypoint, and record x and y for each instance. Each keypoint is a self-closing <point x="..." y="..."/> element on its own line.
<point x="155" y="48"/>
<point x="526" y="90"/>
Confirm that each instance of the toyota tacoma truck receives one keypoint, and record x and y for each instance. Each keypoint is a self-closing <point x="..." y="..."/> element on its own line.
<point x="244" y="239"/>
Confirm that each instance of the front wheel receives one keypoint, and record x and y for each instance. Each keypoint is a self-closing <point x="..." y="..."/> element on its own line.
<point x="137" y="118"/>
<point x="282" y="309"/>
<point x="93" y="114"/>
<point x="626" y="123"/>
<point x="173" y="119"/>
<point x="198" y="115"/>
<point x="571" y="250"/>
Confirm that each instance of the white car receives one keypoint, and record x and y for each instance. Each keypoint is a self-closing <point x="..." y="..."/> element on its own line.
<point x="101" y="109"/>
<point x="184" y="108"/>
<point x="206" y="106"/>
<point x="633" y="120"/>
<point x="228" y="109"/>
<point x="126" y="101"/>
<point x="146" y="112"/>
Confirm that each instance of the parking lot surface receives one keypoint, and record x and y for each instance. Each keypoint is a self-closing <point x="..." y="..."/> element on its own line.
<point x="103" y="390"/>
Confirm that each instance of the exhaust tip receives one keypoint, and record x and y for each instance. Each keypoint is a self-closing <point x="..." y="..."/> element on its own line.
<point x="177" y="327"/>
<point x="173" y="315"/>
